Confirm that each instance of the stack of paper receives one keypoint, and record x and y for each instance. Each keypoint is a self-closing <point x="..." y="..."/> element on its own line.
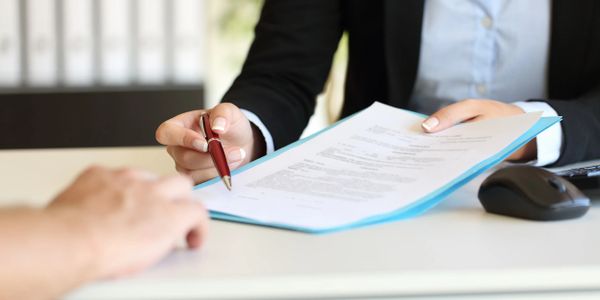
<point x="375" y="166"/>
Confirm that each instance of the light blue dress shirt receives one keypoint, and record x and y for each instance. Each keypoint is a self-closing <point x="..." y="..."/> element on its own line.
<point x="493" y="49"/>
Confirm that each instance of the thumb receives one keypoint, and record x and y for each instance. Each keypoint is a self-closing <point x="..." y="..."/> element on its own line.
<point x="223" y="116"/>
<point x="230" y="123"/>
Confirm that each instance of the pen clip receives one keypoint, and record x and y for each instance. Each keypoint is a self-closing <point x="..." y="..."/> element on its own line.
<point x="202" y="128"/>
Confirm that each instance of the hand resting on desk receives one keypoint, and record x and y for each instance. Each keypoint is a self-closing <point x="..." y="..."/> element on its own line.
<point x="108" y="223"/>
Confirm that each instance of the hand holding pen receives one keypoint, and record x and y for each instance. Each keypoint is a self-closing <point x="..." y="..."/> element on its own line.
<point x="182" y="135"/>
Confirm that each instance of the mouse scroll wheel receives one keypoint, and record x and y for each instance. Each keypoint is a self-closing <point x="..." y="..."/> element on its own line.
<point x="557" y="184"/>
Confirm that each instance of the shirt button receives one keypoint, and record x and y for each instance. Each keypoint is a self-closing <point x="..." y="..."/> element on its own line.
<point x="487" y="22"/>
<point x="481" y="89"/>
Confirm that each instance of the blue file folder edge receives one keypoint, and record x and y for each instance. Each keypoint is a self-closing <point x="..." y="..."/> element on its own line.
<point x="416" y="208"/>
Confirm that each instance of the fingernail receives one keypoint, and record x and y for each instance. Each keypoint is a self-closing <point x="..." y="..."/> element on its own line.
<point x="218" y="124"/>
<point x="237" y="155"/>
<point x="200" y="145"/>
<point x="234" y="165"/>
<point x="430" y="123"/>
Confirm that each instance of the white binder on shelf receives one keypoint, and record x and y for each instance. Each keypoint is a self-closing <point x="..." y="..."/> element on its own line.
<point x="41" y="43"/>
<point x="78" y="42"/>
<point x="151" y="42"/>
<point x="10" y="56"/>
<point x="115" y="42"/>
<point x="189" y="38"/>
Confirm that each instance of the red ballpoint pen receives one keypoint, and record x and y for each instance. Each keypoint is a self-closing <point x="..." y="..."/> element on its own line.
<point x="215" y="149"/>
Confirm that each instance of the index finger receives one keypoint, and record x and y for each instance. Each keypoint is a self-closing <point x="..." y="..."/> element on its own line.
<point x="451" y="115"/>
<point x="180" y="131"/>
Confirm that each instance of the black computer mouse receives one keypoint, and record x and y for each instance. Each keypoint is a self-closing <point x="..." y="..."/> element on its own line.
<point x="532" y="193"/>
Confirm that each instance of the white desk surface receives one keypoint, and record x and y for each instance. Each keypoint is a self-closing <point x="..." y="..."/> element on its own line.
<point x="455" y="250"/>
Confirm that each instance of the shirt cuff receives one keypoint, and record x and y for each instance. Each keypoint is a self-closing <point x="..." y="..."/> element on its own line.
<point x="254" y="119"/>
<point x="549" y="142"/>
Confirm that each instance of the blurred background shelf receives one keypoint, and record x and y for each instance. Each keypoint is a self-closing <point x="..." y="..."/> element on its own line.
<point x="99" y="117"/>
<point x="97" y="73"/>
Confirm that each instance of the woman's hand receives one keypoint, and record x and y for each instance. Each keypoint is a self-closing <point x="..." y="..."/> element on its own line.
<point x="476" y="110"/>
<point x="242" y="142"/>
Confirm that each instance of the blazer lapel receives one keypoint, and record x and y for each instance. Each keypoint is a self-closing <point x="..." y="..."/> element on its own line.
<point x="402" y="37"/>
<point x="569" y="44"/>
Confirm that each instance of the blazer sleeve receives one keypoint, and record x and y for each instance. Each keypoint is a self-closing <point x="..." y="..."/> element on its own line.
<point x="580" y="127"/>
<point x="287" y="64"/>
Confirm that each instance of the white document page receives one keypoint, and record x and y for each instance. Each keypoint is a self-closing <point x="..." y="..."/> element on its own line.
<point x="376" y="162"/>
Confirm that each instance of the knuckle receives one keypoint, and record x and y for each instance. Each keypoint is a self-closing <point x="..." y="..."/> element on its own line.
<point x="93" y="169"/>
<point x="94" y="172"/>
<point x="188" y="140"/>
<point x="127" y="173"/>
<point x="228" y="106"/>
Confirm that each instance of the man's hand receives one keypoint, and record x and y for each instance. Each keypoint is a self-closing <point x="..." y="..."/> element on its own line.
<point x="476" y="110"/>
<point x="241" y="141"/>
<point x="130" y="218"/>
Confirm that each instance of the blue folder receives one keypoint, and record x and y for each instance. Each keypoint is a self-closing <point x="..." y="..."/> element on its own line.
<point x="416" y="208"/>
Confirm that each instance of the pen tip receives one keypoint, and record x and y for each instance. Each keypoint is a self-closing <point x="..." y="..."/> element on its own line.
<point x="227" y="182"/>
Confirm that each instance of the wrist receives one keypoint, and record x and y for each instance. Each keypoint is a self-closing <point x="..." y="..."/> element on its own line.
<point x="79" y="236"/>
